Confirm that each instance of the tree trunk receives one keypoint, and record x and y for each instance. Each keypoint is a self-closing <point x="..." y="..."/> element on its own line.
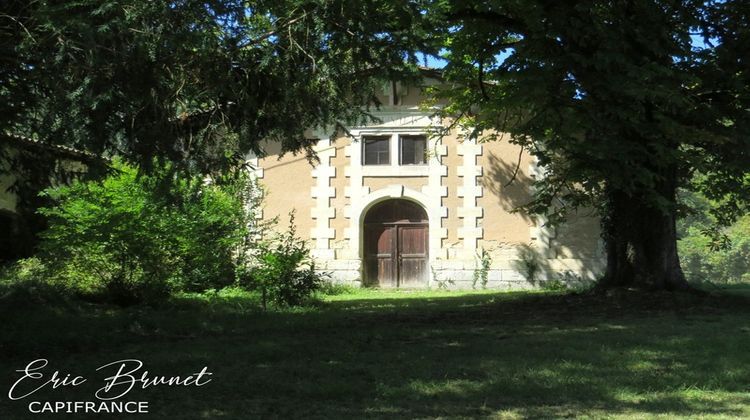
<point x="641" y="240"/>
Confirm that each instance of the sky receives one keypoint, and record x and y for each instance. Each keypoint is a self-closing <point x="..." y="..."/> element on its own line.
<point x="439" y="63"/>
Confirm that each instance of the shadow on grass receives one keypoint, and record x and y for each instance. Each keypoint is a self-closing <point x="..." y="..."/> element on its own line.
<point x="739" y="289"/>
<point x="509" y="354"/>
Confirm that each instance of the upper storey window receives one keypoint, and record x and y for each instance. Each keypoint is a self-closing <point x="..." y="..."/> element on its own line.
<point x="376" y="150"/>
<point x="411" y="149"/>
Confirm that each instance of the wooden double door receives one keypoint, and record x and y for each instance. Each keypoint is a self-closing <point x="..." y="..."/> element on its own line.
<point x="395" y="245"/>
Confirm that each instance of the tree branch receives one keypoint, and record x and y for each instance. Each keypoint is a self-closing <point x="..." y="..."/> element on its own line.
<point x="481" y="81"/>
<point x="273" y="32"/>
<point x="488" y="16"/>
<point x="515" y="172"/>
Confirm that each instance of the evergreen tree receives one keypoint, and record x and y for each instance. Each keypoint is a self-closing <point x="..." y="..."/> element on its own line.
<point x="195" y="82"/>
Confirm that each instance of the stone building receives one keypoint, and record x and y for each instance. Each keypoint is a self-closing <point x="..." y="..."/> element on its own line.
<point x="391" y="205"/>
<point x="28" y="166"/>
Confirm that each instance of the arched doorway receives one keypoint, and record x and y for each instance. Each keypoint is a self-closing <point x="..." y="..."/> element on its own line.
<point x="395" y="244"/>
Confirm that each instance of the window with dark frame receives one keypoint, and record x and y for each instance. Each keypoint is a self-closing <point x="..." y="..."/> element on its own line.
<point x="376" y="150"/>
<point x="413" y="150"/>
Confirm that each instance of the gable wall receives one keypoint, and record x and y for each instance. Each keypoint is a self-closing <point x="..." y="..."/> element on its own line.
<point x="470" y="207"/>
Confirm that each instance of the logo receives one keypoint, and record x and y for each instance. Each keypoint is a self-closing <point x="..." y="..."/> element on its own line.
<point x="120" y="378"/>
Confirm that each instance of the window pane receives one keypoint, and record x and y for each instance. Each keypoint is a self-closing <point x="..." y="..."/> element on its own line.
<point x="413" y="150"/>
<point x="376" y="150"/>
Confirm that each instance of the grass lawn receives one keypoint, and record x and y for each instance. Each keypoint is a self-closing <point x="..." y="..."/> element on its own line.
<point x="405" y="355"/>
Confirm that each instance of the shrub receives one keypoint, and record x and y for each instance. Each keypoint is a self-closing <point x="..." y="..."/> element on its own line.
<point x="727" y="264"/>
<point x="26" y="281"/>
<point x="481" y="272"/>
<point x="134" y="237"/>
<point x="284" y="272"/>
<point x="710" y="251"/>
<point x="329" y="288"/>
<point x="554" y="284"/>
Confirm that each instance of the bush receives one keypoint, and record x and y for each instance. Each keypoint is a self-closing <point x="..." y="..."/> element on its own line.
<point x="133" y="237"/>
<point x="727" y="264"/>
<point x="284" y="272"/>
<point x="27" y="281"/>
<point x="329" y="288"/>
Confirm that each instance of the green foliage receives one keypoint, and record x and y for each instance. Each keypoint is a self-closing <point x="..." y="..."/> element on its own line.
<point x="135" y="238"/>
<point x="228" y="299"/>
<point x="616" y="103"/>
<point x="729" y="264"/>
<point x="197" y="83"/>
<point x="554" y="284"/>
<point x="710" y="251"/>
<point x="604" y="105"/>
<point x="28" y="281"/>
<point x="284" y="272"/>
<point x="567" y="280"/>
<point x="330" y="288"/>
<point x="621" y="356"/>
<point x="132" y="237"/>
<point x="481" y="272"/>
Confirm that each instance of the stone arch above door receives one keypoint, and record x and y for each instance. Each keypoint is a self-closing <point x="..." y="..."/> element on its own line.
<point x="360" y="204"/>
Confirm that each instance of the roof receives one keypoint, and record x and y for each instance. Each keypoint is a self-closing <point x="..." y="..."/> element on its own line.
<point x="23" y="141"/>
<point x="433" y="72"/>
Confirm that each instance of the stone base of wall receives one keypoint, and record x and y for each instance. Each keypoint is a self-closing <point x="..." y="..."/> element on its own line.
<point x="452" y="279"/>
<point x="459" y="274"/>
<point x="342" y="271"/>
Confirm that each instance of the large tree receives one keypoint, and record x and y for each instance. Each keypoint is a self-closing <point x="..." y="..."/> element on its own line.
<point x="621" y="102"/>
<point x="196" y="82"/>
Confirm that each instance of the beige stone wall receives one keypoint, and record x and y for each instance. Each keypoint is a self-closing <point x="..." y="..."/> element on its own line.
<point x="288" y="181"/>
<point x="339" y="182"/>
<point x="409" y="96"/>
<point x="574" y="247"/>
<point x="452" y="160"/>
<point x="578" y="238"/>
<point x="377" y="182"/>
<point x="499" y="161"/>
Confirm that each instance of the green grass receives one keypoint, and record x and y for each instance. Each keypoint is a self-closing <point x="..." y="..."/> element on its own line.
<point x="406" y="354"/>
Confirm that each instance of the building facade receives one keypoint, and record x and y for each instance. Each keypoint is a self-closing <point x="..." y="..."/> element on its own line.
<point x="23" y="161"/>
<point x="391" y="205"/>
